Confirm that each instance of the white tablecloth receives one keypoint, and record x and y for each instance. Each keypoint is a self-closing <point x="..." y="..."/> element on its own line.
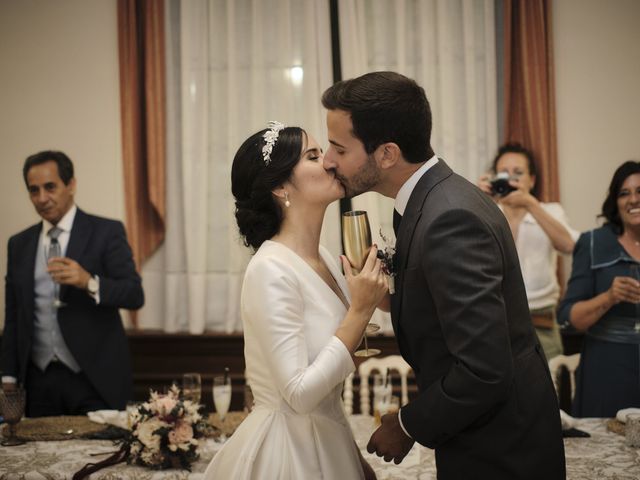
<point x="603" y="456"/>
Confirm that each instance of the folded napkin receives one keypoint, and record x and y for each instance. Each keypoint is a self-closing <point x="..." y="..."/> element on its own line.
<point x="112" y="417"/>
<point x="567" y="421"/>
<point x="621" y="416"/>
<point x="569" y="426"/>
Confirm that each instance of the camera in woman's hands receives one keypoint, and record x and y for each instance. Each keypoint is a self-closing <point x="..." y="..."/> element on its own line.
<point x="500" y="185"/>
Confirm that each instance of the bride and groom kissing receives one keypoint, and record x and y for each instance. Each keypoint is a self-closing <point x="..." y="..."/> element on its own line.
<point x="485" y="401"/>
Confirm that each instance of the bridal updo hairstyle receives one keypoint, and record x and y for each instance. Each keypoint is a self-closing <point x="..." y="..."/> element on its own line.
<point x="258" y="214"/>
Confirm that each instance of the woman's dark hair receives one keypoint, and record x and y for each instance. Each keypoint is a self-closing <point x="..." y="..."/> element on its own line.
<point x="610" y="206"/>
<point x="514" y="147"/>
<point x="258" y="214"/>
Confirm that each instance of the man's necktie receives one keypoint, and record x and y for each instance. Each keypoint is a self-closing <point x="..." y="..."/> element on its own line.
<point x="54" y="233"/>
<point x="396" y="221"/>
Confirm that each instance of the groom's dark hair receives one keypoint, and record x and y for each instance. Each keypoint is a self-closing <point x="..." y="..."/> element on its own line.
<point x="385" y="107"/>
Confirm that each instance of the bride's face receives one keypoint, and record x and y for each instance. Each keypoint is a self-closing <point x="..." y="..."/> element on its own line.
<point x="310" y="182"/>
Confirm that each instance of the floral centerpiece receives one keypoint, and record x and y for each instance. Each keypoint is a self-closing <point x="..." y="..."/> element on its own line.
<point x="164" y="434"/>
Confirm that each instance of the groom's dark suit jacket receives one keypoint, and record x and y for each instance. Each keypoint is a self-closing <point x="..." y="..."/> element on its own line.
<point x="486" y="402"/>
<point x="94" y="333"/>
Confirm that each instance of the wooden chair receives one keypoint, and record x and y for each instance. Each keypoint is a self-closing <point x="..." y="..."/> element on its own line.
<point x="570" y="363"/>
<point x="392" y="362"/>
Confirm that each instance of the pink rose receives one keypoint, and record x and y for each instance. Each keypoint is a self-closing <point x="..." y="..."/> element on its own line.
<point x="181" y="434"/>
<point x="165" y="404"/>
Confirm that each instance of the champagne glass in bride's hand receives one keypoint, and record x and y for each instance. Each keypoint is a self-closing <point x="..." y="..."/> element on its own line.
<point x="222" y="397"/>
<point x="356" y="242"/>
<point x="12" y="406"/>
<point x="634" y="270"/>
<point x="53" y="251"/>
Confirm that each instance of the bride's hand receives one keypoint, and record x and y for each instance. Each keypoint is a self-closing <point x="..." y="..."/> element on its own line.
<point x="369" y="287"/>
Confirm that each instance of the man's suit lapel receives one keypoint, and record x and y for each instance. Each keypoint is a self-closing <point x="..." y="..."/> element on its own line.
<point x="29" y="252"/>
<point x="78" y="239"/>
<point x="412" y="214"/>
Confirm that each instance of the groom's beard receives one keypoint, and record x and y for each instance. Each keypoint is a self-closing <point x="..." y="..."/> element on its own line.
<point x="364" y="180"/>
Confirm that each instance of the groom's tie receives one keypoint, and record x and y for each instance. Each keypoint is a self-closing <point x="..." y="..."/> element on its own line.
<point x="396" y="221"/>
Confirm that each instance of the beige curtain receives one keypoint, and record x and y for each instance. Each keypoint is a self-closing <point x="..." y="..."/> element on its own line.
<point x="529" y="87"/>
<point x="142" y="102"/>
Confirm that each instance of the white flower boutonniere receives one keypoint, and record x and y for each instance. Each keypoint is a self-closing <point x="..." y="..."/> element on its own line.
<point x="388" y="254"/>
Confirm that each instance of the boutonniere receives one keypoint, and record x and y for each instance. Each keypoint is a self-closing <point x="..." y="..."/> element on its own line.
<point x="387" y="254"/>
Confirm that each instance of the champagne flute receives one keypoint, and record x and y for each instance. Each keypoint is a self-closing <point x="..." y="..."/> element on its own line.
<point x="12" y="405"/>
<point x="222" y="398"/>
<point x="356" y="242"/>
<point x="634" y="271"/>
<point x="54" y="250"/>
<point x="191" y="387"/>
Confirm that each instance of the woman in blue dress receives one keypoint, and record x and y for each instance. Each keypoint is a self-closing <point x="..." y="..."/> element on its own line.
<point x="603" y="299"/>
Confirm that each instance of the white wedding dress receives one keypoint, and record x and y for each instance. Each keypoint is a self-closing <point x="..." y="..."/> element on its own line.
<point x="296" y="367"/>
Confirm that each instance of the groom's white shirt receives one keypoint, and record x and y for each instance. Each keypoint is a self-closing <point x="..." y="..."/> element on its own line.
<point x="402" y="198"/>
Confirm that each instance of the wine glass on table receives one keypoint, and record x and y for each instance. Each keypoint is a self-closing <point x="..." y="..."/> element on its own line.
<point x="356" y="242"/>
<point x="191" y="387"/>
<point x="52" y="251"/>
<point x="222" y="398"/>
<point x="12" y="406"/>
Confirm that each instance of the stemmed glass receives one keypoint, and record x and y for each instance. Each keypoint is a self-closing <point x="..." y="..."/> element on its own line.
<point x="634" y="270"/>
<point x="356" y="241"/>
<point x="12" y="405"/>
<point x="52" y="251"/>
<point x="222" y="398"/>
<point x="191" y="387"/>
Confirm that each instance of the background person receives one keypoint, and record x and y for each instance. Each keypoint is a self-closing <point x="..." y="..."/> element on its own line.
<point x="540" y="231"/>
<point x="602" y="299"/>
<point x="75" y="358"/>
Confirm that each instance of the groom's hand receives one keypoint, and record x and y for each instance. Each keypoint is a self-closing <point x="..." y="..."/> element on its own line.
<point x="389" y="440"/>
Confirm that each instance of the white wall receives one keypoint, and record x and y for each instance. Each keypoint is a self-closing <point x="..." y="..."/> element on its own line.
<point x="59" y="89"/>
<point x="597" y="65"/>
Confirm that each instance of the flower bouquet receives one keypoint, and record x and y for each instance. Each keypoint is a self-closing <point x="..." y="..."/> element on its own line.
<point x="387" y="255"/>
<point x="164" y="434"/>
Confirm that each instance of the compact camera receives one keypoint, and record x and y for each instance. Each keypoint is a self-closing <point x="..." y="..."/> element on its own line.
<point x="500" y="185"/>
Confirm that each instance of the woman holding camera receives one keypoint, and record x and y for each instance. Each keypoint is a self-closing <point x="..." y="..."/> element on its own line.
<point x="540" y="231"/>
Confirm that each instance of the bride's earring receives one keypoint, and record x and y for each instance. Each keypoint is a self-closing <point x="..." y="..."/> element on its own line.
<point x="287" y="203"/>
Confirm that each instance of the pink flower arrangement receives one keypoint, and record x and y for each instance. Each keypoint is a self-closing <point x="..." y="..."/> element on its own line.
<point x="165" y="432"/>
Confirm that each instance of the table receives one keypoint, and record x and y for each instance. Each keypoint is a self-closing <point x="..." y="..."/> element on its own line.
<point x="603" y="456"/>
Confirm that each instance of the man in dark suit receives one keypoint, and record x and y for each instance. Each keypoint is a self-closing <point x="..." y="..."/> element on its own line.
<point x="71" y="358"/>
<point x="486" y="402"/>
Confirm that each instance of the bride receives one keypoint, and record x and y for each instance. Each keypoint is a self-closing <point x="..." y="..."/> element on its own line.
<point x="302" y="318"/>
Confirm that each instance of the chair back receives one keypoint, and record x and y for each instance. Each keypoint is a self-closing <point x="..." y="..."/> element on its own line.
<point x="381" y="364"/>
<point x="347" y="394"/>
<point x="570" y="362"/>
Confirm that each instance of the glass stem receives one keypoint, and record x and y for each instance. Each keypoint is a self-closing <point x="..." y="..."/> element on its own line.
<point x="366" y="344"/>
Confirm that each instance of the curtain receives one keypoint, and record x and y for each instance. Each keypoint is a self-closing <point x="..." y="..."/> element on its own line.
<point x="231" y="67"/>
<point x="529" y="87"/>
<point x="142" y="96"/>
<point x="448" y="47"/>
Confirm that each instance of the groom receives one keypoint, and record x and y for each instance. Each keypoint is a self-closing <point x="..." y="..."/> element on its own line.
<point x="486" y="402"/>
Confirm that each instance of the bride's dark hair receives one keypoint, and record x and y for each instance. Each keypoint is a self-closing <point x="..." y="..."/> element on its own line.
<point x="258" y="214"/>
